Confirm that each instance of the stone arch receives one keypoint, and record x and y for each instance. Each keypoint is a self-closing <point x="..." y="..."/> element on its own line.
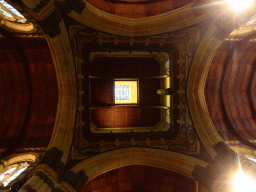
<point x="47" y="15"/>
<point x="163" y="23"/>
<point x="163" y="159"/>
<point x="32" y="157"/>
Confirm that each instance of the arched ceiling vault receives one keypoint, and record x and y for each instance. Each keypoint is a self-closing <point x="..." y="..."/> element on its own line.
<point x="205" y="52"/>
<point x="224" y="24"/>
<point x="28" y="92"/>
<point x="230" y="90"/>
<point x="174" y="20"/>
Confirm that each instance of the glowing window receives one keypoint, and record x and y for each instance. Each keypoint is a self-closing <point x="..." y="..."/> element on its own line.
<point x="7" y="10"/>
<point x="122" y="92"/>
<point x="126" y="92"/>
<point x="12" y="173"/>
<point x="252" y="159"/>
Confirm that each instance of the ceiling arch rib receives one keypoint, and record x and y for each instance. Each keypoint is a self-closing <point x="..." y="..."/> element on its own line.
<point x="163" y="23"/>
<point x="195" y="90"/>
<point x="111" y="160"/>
<point x="137" y="8"/>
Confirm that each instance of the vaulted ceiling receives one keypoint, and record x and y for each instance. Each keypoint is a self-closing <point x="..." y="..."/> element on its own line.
<point x="29" y="93"/>
<point x="29" y="101"/>
<point x="230" y="90"/>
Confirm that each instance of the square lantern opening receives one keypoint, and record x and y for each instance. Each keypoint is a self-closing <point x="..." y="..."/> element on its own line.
<point x="126" y="92"/>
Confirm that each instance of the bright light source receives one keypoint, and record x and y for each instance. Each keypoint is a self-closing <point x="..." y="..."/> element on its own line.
<point x="126" y="92"/>
<point x="239" y="5"/>
<point x="244" y="183"/>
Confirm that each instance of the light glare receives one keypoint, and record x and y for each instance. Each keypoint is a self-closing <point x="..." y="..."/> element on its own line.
<point x="239" y="5"/>
<point x="244" y="183"/>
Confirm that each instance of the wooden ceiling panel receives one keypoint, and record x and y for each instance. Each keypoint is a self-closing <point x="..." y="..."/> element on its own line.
<point x="119" y="117"/>
<point x="125" y="117"/>
<point x="147" y="92"/>
<point x="133" y="116"/>
<point x="103" y="93"/>
<point x="125" y="67"/>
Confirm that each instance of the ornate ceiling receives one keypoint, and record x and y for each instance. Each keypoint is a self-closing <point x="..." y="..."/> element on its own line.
<point x="213" y="98"/>
<point x="179" y="135"/>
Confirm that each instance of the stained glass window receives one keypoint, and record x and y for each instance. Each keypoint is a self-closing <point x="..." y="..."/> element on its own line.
<point x="126" y="92"/>
<point x="252" y="20"/>
<point x="16" y="174"/>
<point x="252" y="159"/>
<point x="9" y="11"/>
<point x="12" y="173"/>
<point x="122" y="92"/>
<point x="6" y="173"/>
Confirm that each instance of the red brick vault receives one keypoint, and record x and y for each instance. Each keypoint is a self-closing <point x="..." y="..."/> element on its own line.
<point x="230" y="90"/>
<point x="29" y="94"/>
